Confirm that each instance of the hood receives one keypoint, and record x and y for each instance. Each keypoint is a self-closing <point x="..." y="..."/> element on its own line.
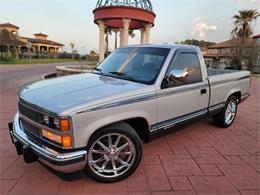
<point x="63" y="93"/>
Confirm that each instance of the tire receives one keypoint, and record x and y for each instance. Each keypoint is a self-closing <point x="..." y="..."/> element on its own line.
<point x="221" y="119"/>
<point x="114" y="153"/>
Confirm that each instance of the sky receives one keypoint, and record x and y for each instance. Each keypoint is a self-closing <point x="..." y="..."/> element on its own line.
<point x="67" y="21"/>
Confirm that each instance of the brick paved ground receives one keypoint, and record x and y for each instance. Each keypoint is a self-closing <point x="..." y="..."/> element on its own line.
<point x="201" y="159"/>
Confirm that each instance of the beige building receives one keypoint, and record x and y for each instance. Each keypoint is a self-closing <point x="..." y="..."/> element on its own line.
<point x="221" y="54"/>
<point x="40" y="44"/>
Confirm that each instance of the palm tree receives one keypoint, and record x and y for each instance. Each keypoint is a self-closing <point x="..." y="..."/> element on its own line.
<point x="72" y="45"/>
<point x="242" y="31"/>
<point x="243" y="23"/>
<point x="109" y="31"/>
<point x="131" y="33"/>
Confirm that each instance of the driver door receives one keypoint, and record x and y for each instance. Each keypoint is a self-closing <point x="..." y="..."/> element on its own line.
<point x="183" y="94"/>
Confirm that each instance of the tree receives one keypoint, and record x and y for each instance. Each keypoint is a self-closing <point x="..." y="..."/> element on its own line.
<point x="195" y="42"/>
<point x="8" y="39"/>
<point x="243" y="50"/>
<point x="243" y="23"/>
<point x="131" y="33"/>
<point x="109" y="31"/>
<point x="252" y="56"/>
<point x="72" y="45"/>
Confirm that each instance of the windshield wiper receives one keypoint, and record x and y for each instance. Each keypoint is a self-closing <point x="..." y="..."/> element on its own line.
<point x="99" y="70"/>
<point x="123" y="75"/>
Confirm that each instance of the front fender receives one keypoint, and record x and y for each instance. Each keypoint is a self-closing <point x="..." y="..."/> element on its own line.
<point x="87" y="123"/>
<point x="111" y="120"/>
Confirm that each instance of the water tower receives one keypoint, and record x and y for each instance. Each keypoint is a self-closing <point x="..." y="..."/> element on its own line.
<point x="123" y="15"/>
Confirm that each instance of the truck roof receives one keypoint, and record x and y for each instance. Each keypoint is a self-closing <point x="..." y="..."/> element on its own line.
<point x="171" y="46"/>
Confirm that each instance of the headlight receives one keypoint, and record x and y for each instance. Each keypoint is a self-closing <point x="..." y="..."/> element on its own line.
<point x="56" y="123"/>
<point x="46" y="119"/>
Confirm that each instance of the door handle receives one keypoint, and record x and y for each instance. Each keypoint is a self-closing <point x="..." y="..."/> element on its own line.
<point x="203" y="91"/>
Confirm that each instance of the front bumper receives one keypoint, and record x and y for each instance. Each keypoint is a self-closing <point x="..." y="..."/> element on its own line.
<point x="32" y="150"/>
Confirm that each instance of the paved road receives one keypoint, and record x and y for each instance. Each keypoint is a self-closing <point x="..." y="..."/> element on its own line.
<point x="28" y="73"/>
<point x="200" y="159"/>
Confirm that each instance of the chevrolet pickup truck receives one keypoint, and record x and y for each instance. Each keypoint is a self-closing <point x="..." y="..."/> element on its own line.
<point x="97" y="121"/>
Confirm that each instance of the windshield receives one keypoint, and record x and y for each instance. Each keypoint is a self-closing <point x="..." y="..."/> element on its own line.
<point x="138" y="64"/>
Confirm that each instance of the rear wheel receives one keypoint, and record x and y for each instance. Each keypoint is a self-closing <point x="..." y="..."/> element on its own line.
<point x="114" y="153"/>
<point x="227" y="116"/>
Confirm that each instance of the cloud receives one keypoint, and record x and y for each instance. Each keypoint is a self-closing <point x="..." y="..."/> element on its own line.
<point x="200" y="18"/>
<point x="201" y="27"/>
<point x="244" y="1"/>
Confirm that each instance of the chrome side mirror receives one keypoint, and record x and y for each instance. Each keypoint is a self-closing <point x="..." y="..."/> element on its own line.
<point x="174" y="78"/>
<point x="178" y="74"/>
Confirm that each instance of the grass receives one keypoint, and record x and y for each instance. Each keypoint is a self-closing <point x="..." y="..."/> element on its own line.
<point x="37" y="61"/>
<point x="257" y="76"/>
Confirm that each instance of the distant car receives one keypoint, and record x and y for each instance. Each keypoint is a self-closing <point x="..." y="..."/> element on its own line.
<point x="95" y="121"/>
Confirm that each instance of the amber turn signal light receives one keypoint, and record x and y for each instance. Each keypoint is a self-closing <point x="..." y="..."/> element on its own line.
<point x="65" y="141"/>
<point x="64" y="124"/>
<point x="51" y="136"/>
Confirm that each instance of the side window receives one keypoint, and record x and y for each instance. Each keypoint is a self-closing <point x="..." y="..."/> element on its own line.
<point x="184" y="69"/>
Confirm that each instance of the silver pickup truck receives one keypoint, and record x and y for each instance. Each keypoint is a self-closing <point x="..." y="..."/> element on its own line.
<point x="95" y="122"/>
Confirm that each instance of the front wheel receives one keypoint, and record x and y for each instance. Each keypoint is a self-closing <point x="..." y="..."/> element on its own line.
<point x="227" y="116"/>
<point x="114" y="153"/>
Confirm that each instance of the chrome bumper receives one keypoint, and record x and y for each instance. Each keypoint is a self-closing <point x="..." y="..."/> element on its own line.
<point x="63" y="162"/>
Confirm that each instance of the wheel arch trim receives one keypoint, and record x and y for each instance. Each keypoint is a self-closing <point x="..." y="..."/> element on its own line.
<point x="105" y="122"/>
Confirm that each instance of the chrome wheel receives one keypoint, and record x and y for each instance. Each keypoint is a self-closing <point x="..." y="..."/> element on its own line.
<point x="111" y="155"/>
<point x="230" y="111"/>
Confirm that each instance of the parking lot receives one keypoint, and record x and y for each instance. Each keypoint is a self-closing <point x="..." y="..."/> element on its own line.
<point x="200" y="159"/>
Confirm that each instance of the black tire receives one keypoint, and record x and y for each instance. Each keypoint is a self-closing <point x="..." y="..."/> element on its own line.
<point x="118" y="129"/>
<point x="220" y="120"/>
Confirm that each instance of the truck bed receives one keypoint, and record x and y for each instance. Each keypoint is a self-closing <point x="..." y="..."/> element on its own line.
<point x="225" y="82"/>
<point x="214" y="72"/>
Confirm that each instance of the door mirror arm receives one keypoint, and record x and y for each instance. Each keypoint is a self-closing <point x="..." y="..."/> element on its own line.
<point x="165" y="83"/>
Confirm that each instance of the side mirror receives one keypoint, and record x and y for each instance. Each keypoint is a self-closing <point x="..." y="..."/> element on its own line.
<point x="178" y="74"/>
<point x="175" y="77"/>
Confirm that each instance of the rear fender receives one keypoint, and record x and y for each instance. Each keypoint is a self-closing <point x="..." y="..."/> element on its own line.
<point x="233" y="91"/>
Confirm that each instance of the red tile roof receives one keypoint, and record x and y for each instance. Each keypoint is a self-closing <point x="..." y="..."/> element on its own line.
<point x="230" y="43"/>
<point x="214" y="55"/>
<point x="233" y="43"/>
<point x="49" y="42"/>
<point x="41" y="34"/>
<point x="9" y="25"/>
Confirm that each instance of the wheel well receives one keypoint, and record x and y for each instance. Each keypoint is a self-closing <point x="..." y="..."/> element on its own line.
<point x="237" y="95"/>
<point x="140" y="125"/>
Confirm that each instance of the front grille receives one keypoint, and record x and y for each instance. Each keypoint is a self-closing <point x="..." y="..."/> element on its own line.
<point x="30" y="113"/>
<point x="32" y="130"/>
<point x="29" y="128"/>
